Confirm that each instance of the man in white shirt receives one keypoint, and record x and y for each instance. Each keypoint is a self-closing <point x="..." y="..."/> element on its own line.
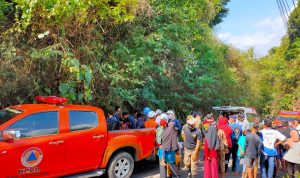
<point x="269" y="137"/>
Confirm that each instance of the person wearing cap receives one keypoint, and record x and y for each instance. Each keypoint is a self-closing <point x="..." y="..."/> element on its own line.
<point x="252" y="150"/>
<point x="150" y="123"/>
<point x="192" y="143"/>
<point x="158" y="118"/>
<point x="146" y="110"/>
<point x="269" y="137"/>
<point x="243" y="122"/>
<point x="172" y="118"/>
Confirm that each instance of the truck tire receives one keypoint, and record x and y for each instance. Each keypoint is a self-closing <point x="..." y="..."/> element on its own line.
<point x="121" y="166"/>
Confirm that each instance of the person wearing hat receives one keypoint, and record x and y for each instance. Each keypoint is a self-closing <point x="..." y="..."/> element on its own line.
<point x="158" y="118"/>
<point x="252" y="149"/>
<point x="269" y="137"/>
<point x="150" y="123"/>
<point x="192" y="143"/>
<point x="172" y="118"/>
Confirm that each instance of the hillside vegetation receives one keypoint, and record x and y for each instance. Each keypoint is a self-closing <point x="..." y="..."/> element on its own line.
<point x="137" y="53"/>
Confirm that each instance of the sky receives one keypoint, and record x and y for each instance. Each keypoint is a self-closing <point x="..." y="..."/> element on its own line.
<point x="252" y="23"/>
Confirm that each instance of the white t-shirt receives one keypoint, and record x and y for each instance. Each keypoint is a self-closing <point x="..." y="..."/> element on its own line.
<point x="269" y="138"/>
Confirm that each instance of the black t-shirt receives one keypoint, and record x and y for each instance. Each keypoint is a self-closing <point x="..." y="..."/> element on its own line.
<point x="191" y="137"/>
<point x="286" y="132"/>
<point x="252" y="145"/>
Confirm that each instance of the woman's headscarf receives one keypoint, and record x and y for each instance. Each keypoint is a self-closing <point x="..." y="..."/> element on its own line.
<point x="223" y="125"/>
<point x="212" y="138"/>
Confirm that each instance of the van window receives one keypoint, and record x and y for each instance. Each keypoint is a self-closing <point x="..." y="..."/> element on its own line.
<point x="40" y="124"/>
<point x="82" y="120"/>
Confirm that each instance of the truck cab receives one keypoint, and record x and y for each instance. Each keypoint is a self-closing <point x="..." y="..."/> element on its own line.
<point x="55" y="140"/>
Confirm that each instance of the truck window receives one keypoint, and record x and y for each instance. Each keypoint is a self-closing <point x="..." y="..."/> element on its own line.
<point x="82" y="120"/>
<point x="7" y="114"/>
<point x="40" y="124"/>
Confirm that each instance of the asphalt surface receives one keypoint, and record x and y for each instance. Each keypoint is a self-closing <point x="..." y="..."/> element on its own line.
<point x="150" y="169"/>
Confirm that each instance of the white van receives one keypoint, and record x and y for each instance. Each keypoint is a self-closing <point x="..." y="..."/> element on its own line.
<point x="250" y="113"/>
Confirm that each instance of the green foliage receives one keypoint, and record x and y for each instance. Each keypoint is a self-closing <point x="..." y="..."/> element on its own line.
<point x="5" y="8"/>
<point x="222" y="12"/>
<point x="156" y="53"/>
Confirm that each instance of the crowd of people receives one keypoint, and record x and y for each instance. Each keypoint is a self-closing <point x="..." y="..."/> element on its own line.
<point x="248" y="146"/>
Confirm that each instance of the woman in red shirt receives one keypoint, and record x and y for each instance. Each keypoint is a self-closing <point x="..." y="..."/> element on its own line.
<point x="211" y="144"/>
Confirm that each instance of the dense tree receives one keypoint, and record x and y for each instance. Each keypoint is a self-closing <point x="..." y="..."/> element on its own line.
<point x="137" y="53"/>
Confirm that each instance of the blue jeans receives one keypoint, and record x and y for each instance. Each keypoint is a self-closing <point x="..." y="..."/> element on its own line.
<point x="267" y="165"/>
<point x="238" y="164"/>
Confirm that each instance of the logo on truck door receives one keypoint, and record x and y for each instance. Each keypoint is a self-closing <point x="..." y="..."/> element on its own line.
<point x="32" y="157"/>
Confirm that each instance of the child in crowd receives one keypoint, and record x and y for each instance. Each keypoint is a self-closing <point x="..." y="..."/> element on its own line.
<point x="241" y="152"/>
<point x="252" y="150"/>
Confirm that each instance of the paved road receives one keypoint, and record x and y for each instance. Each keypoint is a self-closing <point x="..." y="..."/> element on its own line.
<point x="150" y="169"/>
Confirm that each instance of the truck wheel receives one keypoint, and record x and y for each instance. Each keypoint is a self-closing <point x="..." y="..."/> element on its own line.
<point x="121" y="166"/>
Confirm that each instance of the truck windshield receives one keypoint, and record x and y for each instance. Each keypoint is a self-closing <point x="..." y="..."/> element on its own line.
<point x="7" y="114"/>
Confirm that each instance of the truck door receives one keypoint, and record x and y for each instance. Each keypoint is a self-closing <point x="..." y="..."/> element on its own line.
<point x="39" y="152"/>
<point x="86" y="141"/>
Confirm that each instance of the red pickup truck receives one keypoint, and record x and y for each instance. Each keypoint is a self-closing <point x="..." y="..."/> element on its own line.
<point x="55" y="140"/>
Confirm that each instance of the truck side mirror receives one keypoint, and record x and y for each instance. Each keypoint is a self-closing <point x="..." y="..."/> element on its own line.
<point x="10" y="135"/>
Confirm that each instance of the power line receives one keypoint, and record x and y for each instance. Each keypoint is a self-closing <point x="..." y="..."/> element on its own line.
<point x="281" y="11"/>
<point x="288" y="6"/>
<point x="294" y="4"/>
<point x="285" y="8"/>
